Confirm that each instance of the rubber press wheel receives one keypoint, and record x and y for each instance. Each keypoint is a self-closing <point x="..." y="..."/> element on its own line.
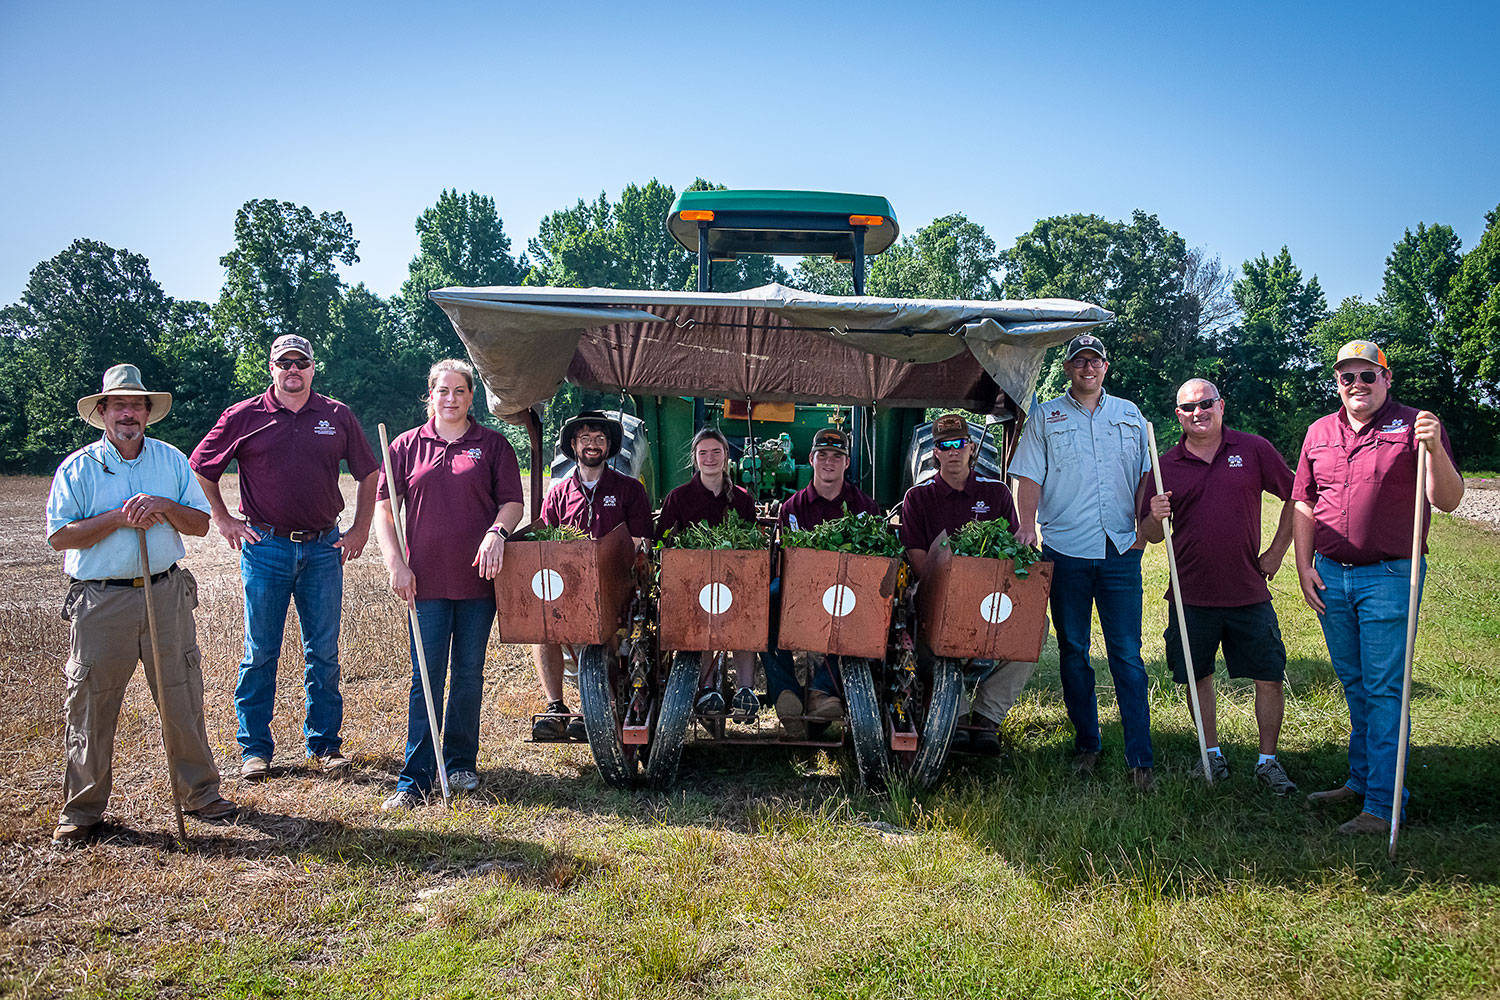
<point x="866" y="725"/>
<point x="945" y="691"/>
<point x="604" y="691"/>
<point x="674" y="714"/>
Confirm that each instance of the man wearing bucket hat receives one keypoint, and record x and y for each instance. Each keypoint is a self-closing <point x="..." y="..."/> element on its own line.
<point x="289" y="442"/>
<point x="100" y="495"/>
<point x="1353" y="529"/>
<point x="945" y="503"/>
<point x="594" y="499"/>
<point x="1080" y="471"/>
<point x="825" y="498"/>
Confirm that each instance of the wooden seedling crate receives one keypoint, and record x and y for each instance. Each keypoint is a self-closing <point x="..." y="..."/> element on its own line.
<point x="715" y="599"/>
<point x="979" y="608"/>
<point x="565" y="592"/>
<point x="836" y="602"/>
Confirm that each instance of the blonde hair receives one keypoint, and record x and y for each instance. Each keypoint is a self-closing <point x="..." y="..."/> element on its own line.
<point x="704" y="435"/>
<point x="436" y="371"/>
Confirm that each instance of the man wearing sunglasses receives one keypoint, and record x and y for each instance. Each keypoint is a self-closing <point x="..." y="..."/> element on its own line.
<point x="1355" y="492"/>
<point x="1214" y="478"/>
<point x="945" y="503"/>
<point x="289" y="442"/>
<point x="1080" y="471"/>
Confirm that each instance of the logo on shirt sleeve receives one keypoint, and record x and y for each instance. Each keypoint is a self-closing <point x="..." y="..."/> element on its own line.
<point x="325" y="428"/>
<point x="1236" y="462"/>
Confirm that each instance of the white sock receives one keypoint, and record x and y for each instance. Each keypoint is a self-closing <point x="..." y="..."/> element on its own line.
<point x="1265" y="757"/>
<point x="1215" y="750"/>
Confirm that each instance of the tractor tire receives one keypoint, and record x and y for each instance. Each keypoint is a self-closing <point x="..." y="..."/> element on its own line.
<point x="603" y="718"/>
<point x="946" y="692"/>
<point x="673" y="715"/>
<point x="866" y="722"/>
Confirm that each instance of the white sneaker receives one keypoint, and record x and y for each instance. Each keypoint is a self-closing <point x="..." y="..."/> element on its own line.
<point x="463" y="781"/>
<point x="400" y="801"/>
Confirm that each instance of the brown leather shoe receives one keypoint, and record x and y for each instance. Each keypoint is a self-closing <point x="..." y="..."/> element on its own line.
<point x="1144" y="778"/>
<point x="824" y="706"/>
<point x="69" y="835"/>
<point x="1085" y="762"/>
<point x="789" y="711"/>
<point x="1343" y="793"/>
<point x="220" y="810"/>
<point x="1367" y="823"/>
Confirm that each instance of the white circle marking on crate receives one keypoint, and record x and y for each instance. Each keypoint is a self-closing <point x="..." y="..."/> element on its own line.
<point x="715" y="598"/>
<point x="995" y="608"/>
<point x="838" y="600"/>
<point x="547" y="584"/>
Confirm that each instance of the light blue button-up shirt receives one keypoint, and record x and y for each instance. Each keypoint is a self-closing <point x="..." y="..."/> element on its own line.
<point x="1089" y="466"/>
<point x="82" y="488"/>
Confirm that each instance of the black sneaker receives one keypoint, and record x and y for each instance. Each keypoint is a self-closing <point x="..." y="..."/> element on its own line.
<point x="1217" y="762"/>
<point x="984" y="739"/>
<point x="577" y="731"/>
<point x="1275" y="777"/>
<point x="745" y="705"/>
<point x="552" y="725"/>
<point x="709" y="702"/>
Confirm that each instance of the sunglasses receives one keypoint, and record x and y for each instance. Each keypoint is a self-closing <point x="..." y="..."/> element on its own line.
<point x="953" y="444"/>
<point x="301" y="364"/>
<point x="1202" y="404"/>
<point x="1367" y="377"/>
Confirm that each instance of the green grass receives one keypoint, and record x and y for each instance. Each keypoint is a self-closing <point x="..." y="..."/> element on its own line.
<point x="774" y="876"/>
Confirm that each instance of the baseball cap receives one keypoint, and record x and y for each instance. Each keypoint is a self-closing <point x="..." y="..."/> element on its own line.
<point x="831" y="439"/>
<point x="1361" y="350"/>
<point x="950" y="426"/>
<point x="1085" y="342"/>
<point x="289" y="342"/>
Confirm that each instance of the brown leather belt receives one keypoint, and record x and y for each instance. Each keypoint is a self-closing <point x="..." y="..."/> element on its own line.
<point x="293" y="536"/>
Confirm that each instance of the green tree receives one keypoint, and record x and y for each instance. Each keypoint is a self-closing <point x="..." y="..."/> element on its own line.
<point x="201" y="373"/>
<point x="1418" y="272"/>
<point x="952" y="258"/>
<point x="280" y="278"/>
<point x="1470" y="329"/>
<point x="88" y="308"/>
<point x="375" y="363"/>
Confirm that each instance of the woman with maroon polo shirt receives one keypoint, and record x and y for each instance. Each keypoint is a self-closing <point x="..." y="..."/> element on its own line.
<point x="462" y="488"/>
<point x="707" y="499"/>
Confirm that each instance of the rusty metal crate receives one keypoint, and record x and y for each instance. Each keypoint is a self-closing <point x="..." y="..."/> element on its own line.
<point x="715" y="599"/>
<point x="565" y="592"/>
<point x="979" y="608"/>
<point x="836" y="602"/>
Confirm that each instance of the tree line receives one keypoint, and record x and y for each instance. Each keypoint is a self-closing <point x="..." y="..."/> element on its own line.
<point x="1264" y="334"/>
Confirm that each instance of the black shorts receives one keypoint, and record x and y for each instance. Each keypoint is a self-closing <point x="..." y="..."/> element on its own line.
<point x="1250" y="635"/>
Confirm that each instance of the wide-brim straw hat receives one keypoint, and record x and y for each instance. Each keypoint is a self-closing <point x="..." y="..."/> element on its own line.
<point x="124" y="380"/>
<point x="612" y="428"/>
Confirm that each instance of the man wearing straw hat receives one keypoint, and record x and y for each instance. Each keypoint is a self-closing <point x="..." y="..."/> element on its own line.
<point x="1214" y="478"/>
<point x="100" y="495"/>
<point x="1354" y="528"/>
<point x="289" y="442"/>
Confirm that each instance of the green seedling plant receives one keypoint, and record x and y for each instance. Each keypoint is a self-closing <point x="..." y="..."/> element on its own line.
<point x="552" y="533"/>
<point x="860" y="534"/>
<point x="992" y="540"/>
<point x="734" y="532"/>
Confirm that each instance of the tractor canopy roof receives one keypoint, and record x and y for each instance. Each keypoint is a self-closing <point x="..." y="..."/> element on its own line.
<point x="802" y="223"/>
<point x="768" y="344"/>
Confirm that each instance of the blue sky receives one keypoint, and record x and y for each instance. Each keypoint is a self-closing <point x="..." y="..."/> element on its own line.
<point x="1328" y="128"/>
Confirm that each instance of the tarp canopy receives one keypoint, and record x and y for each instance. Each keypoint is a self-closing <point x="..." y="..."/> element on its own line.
<point x="768" y="344"/>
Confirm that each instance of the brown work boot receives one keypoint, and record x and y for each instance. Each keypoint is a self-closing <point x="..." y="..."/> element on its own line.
<point x="789" y="711"/>
<point x="1144" y="778"/>
<point x="70" y="835"/>
<point x="221" y="810"/>
<point x="1085" y="762"/>
<point x="1367" y="823"/>
<point x="1343" y="793"/>
<point x="824" y="706"/>
<point x="984" y="738"/>
<point x="330" y="763"/>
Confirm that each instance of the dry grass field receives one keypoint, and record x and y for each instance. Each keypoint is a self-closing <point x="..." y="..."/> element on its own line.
<point x="764" y="875"/>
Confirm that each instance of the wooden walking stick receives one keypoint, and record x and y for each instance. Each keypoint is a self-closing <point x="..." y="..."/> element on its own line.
<point x="1411" y="644"/>
<point x="416" y="626"/>
<point x="1182" y="626"/>
<point x="153" y="674"/>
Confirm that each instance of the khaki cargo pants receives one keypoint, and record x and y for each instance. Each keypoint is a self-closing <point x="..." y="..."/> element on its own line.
<point x="108" y="636"/>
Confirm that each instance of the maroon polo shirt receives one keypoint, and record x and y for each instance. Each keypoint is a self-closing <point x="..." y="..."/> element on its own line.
<point x="805" y="509"/>
<point x="1362" y="485"/>
<point x="1216" y="517"/>
<point x="289" y="461"/>
<point x="691" y="503"/>
<point x="935" y="507"/>
<point x="452" y="491"/>
<point x="615" y="499"/>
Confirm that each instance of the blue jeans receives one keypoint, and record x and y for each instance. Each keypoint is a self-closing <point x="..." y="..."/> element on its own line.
<point x="781" y="670"/>
<point x="456" y="633"/>
<point x="1364" y="623"/>
<point x="277" y="571"/>
<point x="1113" y="584"/>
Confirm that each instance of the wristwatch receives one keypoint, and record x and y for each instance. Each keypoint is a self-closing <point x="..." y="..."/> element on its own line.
<point x="499" y="530"/>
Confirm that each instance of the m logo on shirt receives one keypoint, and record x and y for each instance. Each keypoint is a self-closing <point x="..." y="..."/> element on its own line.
<point x="325" y="428"/>
<point x="611" y="501"/>
<point x="475" y="454"/>
<point x="981" y="508"/>
<point x="1056" y="417"/>
<point x="1396" y="426"/>
<point x="1236" y="462"/>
